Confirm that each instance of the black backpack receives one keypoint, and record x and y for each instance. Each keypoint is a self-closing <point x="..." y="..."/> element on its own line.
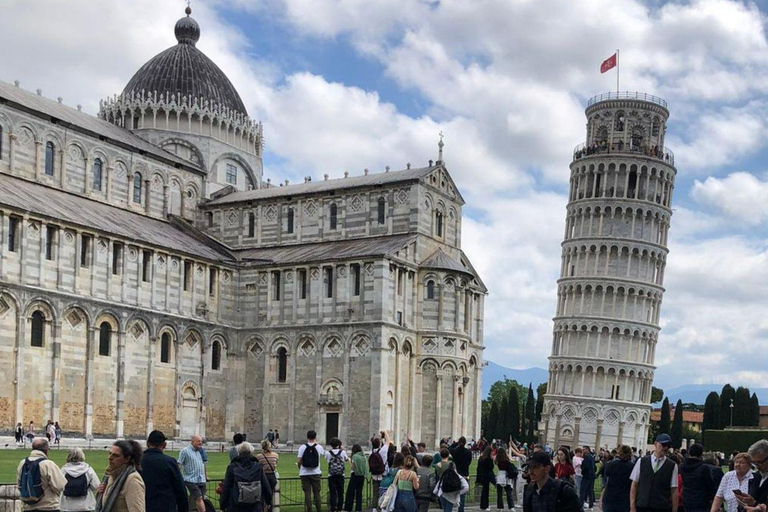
<point x="376" y="463"/>
<point x="335" y="464"/>
<point x="310" y="458"/>
<point x="77" y="486"/>
<point x="450" y="481"/>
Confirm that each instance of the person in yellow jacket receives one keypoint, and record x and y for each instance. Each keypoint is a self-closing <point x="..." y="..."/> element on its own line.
<point x="122" y="489"/>
<point x="50" y="476"/>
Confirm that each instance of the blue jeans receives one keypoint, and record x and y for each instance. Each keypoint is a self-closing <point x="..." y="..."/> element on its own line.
<point x="447" y="505"/>
<point x="405" y="501"/>
<point x="587" y="491"/>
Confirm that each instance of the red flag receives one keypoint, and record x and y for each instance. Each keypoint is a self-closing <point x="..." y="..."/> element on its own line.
<point x="608" y="63"/>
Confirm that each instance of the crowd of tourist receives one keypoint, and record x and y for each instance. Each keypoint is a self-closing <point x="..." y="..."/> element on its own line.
<point x="404" y="479"/>
<point x="620" y="147"/>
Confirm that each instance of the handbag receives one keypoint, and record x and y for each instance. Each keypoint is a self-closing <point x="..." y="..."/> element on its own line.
<point x="387" y="500"/>
<point x="464" y="485"/>
<point x="501" y="477"/>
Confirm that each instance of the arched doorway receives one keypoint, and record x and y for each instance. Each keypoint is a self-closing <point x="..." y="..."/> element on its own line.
<point x="189" y="408"/>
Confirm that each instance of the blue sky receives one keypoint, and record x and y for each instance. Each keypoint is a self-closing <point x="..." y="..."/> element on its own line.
<point x="343" y="85"/>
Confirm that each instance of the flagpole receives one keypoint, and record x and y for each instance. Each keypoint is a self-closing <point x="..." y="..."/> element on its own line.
<point x="617" y="71"/>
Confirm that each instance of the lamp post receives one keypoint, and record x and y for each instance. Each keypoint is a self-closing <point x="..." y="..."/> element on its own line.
<point x="731" y="411"/>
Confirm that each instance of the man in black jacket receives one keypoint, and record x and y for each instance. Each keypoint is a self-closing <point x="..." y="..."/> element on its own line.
<point x="758" y="486"/>
<point x="588" y="475"/>
<point x="698" y="481"/>
<point x="462" y="458"/>
<point x="164" y="485"/>
<point x="544" y="493"/>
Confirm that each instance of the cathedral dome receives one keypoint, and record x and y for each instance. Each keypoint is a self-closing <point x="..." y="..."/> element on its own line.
<point x="183" y="70"/>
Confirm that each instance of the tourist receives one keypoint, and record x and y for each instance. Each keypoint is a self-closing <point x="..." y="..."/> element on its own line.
<point x="505" y="479"/>
<point x="309" y="471"/>
<point x="615" y="495"/>
<point x="82" y="482"/>
<point x="236" y="440"/>
<point x="736" y="479"/>
<point x="448" y="499"/>
<point x="698" y="483"/>
<point x="758" y="486"/>
<point x="356" y="480"/>
<point x="462" y="457"/>
<point x="544" y="493"/>
<point x="563" y="467"/>
<point x="654" y="480"/>
<point x="123" y="488"/>
<point x="427" y="481"/>
<point x="407" y="481"/>
<point x="588" y="475"/>
<point x="377" y="463"/>
<point x="245" y="485"/>
<point x="268" y="460"/>
<point x="194" y="471"/>
<point x="270" y="436"/>
<point x="31" y="431"/>
<point x="336" y="458"/>
<point x="577" y="460"/>
<point x="389" y="476"/>
<point x="53" y="481"/>
<point x="485" y="476"/>
<point x="18" y="433"/>
<point x="277" y="440"/>
<point x="164" y="484"/>
<point x="57" y="433"/>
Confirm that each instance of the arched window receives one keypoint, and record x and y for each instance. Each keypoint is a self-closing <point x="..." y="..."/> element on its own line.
<point x="282" y="364"/>
<point x="165" y="348"/>
<point x="655" y="127"/>
<point x="49" y="154"/>
<point x="216" y="355"/>
<point x="637" y="137"/>
<point x="38" y="321"/>
<point x="430" y="289"/>
<point x="137" y="186"/>
<point x="618" y="125"/>
<point x="290" y="221"/>
<point x="602" y="134"/>
<point x="251" y="225"/>
<point x="98" y="170"/>
<point x="382" y="210"/>
<point x="105" y="338"/>
<point x="334" y="215"/>
<point x="439" y="224"/>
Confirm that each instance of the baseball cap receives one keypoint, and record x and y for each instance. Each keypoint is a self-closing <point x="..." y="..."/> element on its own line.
<point x="539" y="458"/>
<point x="663" y="439"/>
<point x="156" y="437"/>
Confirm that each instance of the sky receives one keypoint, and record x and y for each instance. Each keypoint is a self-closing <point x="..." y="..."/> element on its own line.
<point x="345" y="85"/>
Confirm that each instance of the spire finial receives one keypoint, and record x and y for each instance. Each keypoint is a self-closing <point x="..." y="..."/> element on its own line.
<point x="440" y="148"/>
<point x="188" y="10"/>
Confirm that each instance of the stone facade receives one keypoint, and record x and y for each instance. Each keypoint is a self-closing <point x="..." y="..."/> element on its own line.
<point x="612" y="275"/>
<point x="142" y="288"/>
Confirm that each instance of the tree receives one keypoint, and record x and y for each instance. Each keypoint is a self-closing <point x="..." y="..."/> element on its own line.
<point x="741" y="407"/>
<point x="664" y="422"/>
<point x="656" y="394"/>
<point x="726" y="395"/>
<point x="676" y="432"/>
<point x="540" y="392"/>
<point x="500" y="390"/>
<point x="711" y="419"/>
<point x="493" y="418"/>
<point x="530" y="415"/>
<point x="502" y="425"/>
<point x="514" y="414"/>
<point x="754" y="417"/>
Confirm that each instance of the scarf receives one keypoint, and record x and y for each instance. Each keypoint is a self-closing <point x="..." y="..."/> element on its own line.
<point x="120" y="475"/>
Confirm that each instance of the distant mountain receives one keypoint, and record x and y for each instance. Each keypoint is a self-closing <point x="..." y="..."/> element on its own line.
<point x="494" y="372"/>
<point x="697" y="393"/>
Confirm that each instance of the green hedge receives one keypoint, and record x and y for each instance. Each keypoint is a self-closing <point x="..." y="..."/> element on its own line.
<point x="728" y="440"/>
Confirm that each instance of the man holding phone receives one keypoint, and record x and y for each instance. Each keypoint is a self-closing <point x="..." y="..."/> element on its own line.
<point x="757" y="500"/>
<point x="654" y="480"/>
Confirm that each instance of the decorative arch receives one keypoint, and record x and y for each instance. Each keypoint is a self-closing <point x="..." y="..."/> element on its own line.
<point x="254" y="182"/>
<point x="191" y="147"/>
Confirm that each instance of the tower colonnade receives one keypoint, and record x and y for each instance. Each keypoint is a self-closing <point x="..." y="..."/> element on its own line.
<point x="610" y="290"/>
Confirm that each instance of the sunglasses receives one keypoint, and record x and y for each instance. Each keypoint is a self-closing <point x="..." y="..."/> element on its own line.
<point x="666" y="446"/>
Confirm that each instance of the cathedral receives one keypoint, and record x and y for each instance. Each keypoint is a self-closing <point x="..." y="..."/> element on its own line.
<point x="152" y="278"/>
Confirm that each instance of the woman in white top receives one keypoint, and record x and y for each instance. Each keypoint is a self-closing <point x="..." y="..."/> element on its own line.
<point x="737" y="479"/>
<point x="82" y="481"/>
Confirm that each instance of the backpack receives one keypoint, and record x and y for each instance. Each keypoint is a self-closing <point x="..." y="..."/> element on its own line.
<point x="310" y="458"/>
<point x="31" y="481"/>
<point x="248" y="492"/>
<point x="450" y="481"/>
<point x="376" y="463"/>
<point x="77" y="486"/>
<point x="335" y="464"/>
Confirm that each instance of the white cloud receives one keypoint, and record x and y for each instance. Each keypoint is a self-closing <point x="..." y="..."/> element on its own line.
<point x="741" y="196"/>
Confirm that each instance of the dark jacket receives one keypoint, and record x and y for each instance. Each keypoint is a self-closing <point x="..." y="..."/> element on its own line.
<point x="698" y="484"/>
<point x="757" y="491"/>
<point x="462" y="457"/>
<point x="588" y="467"/>
<point x="485" y="474"/>
<point x="561" y="497"/>
<point x="165" y="491"/>
<point x="617" y="484"/>
<point x="245" y="468"/>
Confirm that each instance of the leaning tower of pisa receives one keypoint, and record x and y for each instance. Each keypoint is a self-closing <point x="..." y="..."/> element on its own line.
<point x="611" y="280"/>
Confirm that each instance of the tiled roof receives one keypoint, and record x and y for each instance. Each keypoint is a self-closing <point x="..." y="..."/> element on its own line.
<point x="326" y="251"/>
<point x="92" y="215"/>
<point x="87" y="123"/>
<point x="311" y="187"/>
<point x="440" y="260"/>
<point x="688" y="416"/>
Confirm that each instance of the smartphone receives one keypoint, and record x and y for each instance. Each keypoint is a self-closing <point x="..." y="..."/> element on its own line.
<point x="738" y="492"/>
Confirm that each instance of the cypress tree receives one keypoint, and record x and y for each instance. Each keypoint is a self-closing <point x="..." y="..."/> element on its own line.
<point x="493" y="418"/>
<point x="530" y="415"/>
<point x="711" y="413"/>
<point x="742" y="407"/>
<point x="665" y="422"/>
<point x="676" y="432"/>
<point x="503" y="422"/>
<point x="755" y="411"/>
<point x="540" y="392"/>
<point x="726" y="395"/>
<point x="514" y="413"/>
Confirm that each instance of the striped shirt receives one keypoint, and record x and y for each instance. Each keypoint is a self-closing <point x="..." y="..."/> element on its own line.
<point x="268" y="461"/>
<point x="730" y="482"/>
<point x="192" y="466"/>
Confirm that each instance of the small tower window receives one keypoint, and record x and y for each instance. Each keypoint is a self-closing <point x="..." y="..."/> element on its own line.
<point x="430" y="289"/>
<point x="213" y="279"/>
<point x="13" y="233"/>
<point x="216" y="355"/>
<point x="251" y="225"/>
<point x="328" y="282"/>
<point x="117" y="258"/>
<point x="50" y="238"/>
<point x="439" y="224"/>
<point x="146" y="266"/>
<point x="333" y="216"/>
<point x="355" y="279"/>
<point x="276" y="285"/>
<point x="302" y="279"/>
<point x="85" y="250"/>
<point x="137" y="188"/>
<point x="105" y="338"/>
<point x="289" y="221"/>
<point x="165" y="348"/>
<point x="282" y="364"/>
<point x="38" y="320"/>
<point x="382" y="210"/>
<point x="98" y="171"/>
<point x="49" y="155"/>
